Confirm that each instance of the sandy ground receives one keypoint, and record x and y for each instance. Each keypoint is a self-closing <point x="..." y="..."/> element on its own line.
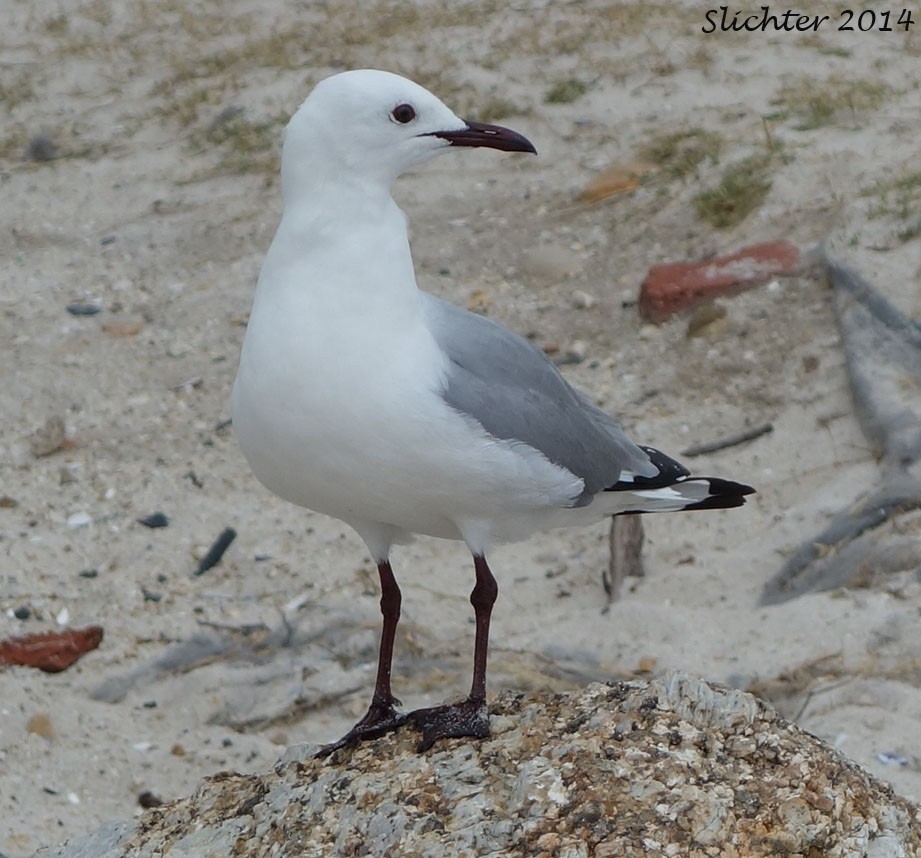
<point x="165" y="118"/>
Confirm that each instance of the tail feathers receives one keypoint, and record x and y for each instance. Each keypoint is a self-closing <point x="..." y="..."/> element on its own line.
<point x="686" y="493"/>
<point x="673" y="488"/>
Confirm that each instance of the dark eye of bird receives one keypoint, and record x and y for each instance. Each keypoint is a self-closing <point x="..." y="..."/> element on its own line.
<point x="403" y="113"/>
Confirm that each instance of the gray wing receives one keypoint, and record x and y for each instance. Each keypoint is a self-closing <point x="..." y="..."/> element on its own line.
<point x="510" y="387"/>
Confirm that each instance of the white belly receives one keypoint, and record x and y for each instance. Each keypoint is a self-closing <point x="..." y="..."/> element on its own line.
<point x="352" y="425"/>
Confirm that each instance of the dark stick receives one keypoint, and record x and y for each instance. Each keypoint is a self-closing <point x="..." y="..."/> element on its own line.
<point x="216" y="551"/>
<point x="625" y="539"/>
<point x="734" y="440"/>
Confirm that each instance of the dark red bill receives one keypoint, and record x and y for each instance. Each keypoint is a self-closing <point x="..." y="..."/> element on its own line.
<point x="491" y="136"/>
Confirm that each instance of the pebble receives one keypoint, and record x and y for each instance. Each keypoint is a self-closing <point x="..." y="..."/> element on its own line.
<point x="479" y="301"/>
<point x="49" y="438"/>
<point x="583" y="300"/>
<point x="551" y="263"/>
<point x="41" y="148"/>
<point x="79" y="519"/>
<point x="708" y="320"/>
<point x="83" y="309"/>
<point x="147" y="799"/>
<point x="23" y="612"/>
<point x="154" y="520"/>
<point x="127" y="327"/>
<point x="39" y="724"/>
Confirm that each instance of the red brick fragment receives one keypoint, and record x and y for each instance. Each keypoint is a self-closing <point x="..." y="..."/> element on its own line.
<point x="676" y="286"/>
<point x="50" y="651"/>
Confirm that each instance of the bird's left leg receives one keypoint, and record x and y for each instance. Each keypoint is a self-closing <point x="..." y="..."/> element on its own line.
<point x="470" y="717"/>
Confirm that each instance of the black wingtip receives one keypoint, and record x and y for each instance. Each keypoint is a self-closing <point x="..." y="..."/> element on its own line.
<point x="724" y="494"/>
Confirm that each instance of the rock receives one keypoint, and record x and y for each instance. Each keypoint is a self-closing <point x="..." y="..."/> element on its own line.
<point x="49" y="439"/>
<point x="479" y="301"/>
<point x="83" y="309"/>
<point x="50" y="651"/>
<point x="154" y="520"/>
<point x="127" y="326"/>
<point x="668" y="767"/>
<point x="582" y="300"/>
<point x="39" y="724"/>
<point x="675" y="286"/>
<point x="551" y="263"/>
<point x="708" y="320"/>
<point x="41" y="147"/>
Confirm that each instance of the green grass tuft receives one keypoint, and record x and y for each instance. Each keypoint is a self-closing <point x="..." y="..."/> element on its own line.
<point x="815" y="104"/>
<point x="565" y="91"/>
<point x="742" y="188"/>
<point x="681" y="152"/>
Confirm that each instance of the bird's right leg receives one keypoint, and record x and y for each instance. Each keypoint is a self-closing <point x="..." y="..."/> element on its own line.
<point x="382" y="715"/>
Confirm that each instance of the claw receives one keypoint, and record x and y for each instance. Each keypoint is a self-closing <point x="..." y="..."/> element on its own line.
<point x="381" y="718"/>
<point x="469" y="718"/>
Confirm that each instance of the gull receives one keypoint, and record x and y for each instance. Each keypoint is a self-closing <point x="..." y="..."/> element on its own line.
<point x="362" y="397"/>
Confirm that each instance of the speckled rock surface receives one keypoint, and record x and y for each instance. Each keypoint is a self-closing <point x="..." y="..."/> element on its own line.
<point x="666" y="767"/>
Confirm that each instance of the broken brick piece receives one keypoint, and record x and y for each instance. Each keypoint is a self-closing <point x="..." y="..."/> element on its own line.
<point x="676" y="286"/>
<point x="50" y="651"/>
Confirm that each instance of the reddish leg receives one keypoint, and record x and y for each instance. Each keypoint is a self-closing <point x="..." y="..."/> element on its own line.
<point x="470" y="717"/>
<point x="381" y="716"/>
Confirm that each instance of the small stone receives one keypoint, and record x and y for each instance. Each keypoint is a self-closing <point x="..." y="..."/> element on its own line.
<point x="147" y="799"/>
<point x="23" y="612"/>
<point x="551" y="263"/>
<point x="127" y="327"/>
<point x="647" y="664"/>
<point x="573" y="355"/>
<point x="154" y="520"/>
<point x="177" y="750"/>
<point x="83" y="309"/>
<point x="49" y="439"/>
<point x="479" y="301"/>
<point x="708" y="320"/>
<point x="582" y="300"/>
<point x="89" y="573"/>
<point x="41" y="148"/>
<point x="39" y="724"/>
<point x="79" y="519"/>
<point x="550" y="840"/>
<point x="577" y="350"/>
